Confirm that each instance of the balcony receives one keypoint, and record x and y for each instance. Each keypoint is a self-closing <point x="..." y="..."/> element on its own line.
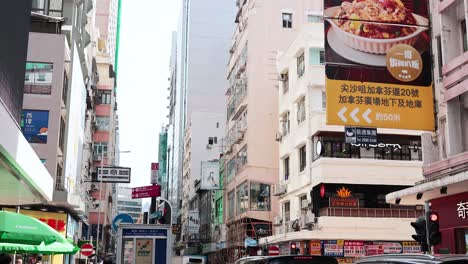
<point x="236" y="134"/>
<point x="450" y="166"/>
<point x="371" y="212"/>
<point x="369" y="171"/>
<point x="239" y="91"/>
<point x="455" y="77"/>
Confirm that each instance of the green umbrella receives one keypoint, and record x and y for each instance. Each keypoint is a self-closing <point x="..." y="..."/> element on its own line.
<point x="21" y="229"/>
<point x="59" y="247"/>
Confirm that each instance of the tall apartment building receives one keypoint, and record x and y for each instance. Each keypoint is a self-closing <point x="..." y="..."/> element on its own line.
<point x="330" y="190"/>
<point x="162" y="160"/>
<point x="127" y="205"/>
<point x="199" y="55"/>
<point x="445" y="168"/>
<point x="264" y="28"/>
<point x="23" y="177"/>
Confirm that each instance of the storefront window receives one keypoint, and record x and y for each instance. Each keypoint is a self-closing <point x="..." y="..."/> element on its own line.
<point x="259" y="196"/>
<point x="231" y="205"/>
<point x="242" y="198"/>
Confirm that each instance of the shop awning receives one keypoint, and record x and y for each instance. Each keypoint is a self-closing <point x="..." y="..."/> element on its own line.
<point x="430" y="190"/>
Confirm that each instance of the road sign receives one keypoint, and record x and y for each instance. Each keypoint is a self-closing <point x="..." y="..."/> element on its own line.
<point x="114" y="174"/>
<point x="146" y="191"/>
<point x="87" y="250"/>
<point x="156" y="214"/>
<point x="121" y="218"/>
<point x="361" y="135"/>
<point x="273" y="251"/>
<point x="154" y="172"/>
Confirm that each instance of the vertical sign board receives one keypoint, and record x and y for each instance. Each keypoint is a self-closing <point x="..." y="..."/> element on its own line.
<point x="210" y="175"/>
<point x="378" y="64"/>
<point x="154" y="172"/>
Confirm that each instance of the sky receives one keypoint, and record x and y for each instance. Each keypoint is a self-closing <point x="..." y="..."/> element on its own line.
<point x="143" y="71"/>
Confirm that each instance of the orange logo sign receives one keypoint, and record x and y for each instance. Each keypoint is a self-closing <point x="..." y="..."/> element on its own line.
<point x="343" y="192"/>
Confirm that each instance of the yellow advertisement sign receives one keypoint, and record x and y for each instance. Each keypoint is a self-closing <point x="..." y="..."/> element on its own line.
<point x="144" y="251"/>
<point x="367" y="104"/>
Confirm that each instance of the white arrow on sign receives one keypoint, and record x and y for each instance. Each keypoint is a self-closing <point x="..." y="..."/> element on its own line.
<point x="366" y="116"/>
<point x="341" y="114"/>
<point x="353" y="115"/>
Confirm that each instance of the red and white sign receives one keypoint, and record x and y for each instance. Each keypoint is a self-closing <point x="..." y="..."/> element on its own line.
<point x="87" y="250"/>
<point x="146" y="191"/>
<point x="273" y="251"/>
<point x="154" y="173"/>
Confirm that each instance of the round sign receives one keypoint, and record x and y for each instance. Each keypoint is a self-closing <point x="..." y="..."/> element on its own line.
<point x="87" y="250"/>
<point x="319" y="148"/>
<point x="121" y="218"/>
<point x="273" y="251"/>
<point x="404" y="62"/>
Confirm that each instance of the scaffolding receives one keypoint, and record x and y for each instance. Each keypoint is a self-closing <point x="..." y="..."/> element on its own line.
<point x="239" y="230"/>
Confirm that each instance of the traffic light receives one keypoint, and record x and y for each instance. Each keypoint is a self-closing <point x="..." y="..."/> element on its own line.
<point x="165" y="210"/>
<point x="294" y="249"/>
<point x="434" y="235"/>
<point x="420" y="228"/>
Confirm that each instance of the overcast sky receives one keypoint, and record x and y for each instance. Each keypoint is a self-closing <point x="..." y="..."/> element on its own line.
<point x="145" y="49"/>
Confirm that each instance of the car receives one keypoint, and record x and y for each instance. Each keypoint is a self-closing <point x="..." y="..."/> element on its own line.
<point x="289" y="259"/>
<point x="414" y="259"/>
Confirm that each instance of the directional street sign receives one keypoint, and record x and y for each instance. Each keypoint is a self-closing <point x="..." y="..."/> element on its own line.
<point x="146" y="191"/>
<point x="114" y="174"/>
<point x="121" y="218"/>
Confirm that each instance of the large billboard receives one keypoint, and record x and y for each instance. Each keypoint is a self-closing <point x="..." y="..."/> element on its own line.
<point x="35" y="126"/>
<point x="378" y="64"/>
<point x="38" y="78"/>
<point x="210" y="175"/>
<point x="14" y="27"/>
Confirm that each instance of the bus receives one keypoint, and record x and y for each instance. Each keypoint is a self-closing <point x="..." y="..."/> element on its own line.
<point x="292" y="259"/>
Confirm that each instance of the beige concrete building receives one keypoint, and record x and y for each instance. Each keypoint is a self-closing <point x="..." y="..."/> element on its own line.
<point x="264" y="28"/>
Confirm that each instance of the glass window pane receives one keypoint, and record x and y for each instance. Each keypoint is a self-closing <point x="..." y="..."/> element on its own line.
<point x="259" y="197"/>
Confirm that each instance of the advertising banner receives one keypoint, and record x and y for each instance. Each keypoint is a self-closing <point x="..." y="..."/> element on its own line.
<point x="354" y="249"/>
<point x="35" y="126"/>
<point x="391" y="247"/>
<point x="411" y="248"/>
<point x="315" y="248"/>
<point x="378" y="64"/>
<point x="210" y="175"/>
<point x="372" y="249"/>
<point x="144" y="250"/>
<point x="193" y="221"/>
<point x="333" y="248"/>
<point x="38" y="78"/>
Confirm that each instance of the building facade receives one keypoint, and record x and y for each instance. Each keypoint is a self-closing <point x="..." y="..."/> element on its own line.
<point x="127" y="205"/>
<point x="445" y="184"/>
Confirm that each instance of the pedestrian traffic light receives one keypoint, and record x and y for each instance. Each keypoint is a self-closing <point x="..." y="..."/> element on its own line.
<point x="434" y="235"/>
<point x="165" y="210"/>
<point x="294" y="249"/>
<point x="420" y="228"/>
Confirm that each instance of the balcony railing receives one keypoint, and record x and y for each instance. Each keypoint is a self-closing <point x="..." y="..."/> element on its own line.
<point x="236" y="134"/>
<point x="371" y="212"/>
<point x="238" y="91"/>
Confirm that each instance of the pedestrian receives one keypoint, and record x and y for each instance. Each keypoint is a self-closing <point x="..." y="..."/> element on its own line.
<point x="38" y="260"/>
<point x="19" y="260"/>
<point x="5" y="259"/>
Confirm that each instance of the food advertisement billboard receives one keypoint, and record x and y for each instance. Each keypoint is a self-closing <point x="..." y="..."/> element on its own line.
<point x="378" y="64"/>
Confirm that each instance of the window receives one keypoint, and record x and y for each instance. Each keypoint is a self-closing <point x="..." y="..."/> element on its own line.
<point x="219" y="211"/>
<point x="316" y="56"/>
<point x="285" y="124"/>
<point x="242" y="198"/>
<point x="231" y="169"/>
<point x="301" y="115"/>
<point x="65" y="87"/>
<point x="231" y="205"/>
<point x="314" y="19"/>
<point x="302" y="158"/>
<point x="286" y="211"/>
<point x="105" y="97"/>
<point x="62" y="135"/>
<point x="215" y="140"/>
<point x="217" y="124"/>
<point x="300" y="65"/>
<point x="242" y="157"/>
<point x="103" y="123"/>
<point x="99" y="150"/>
<point x="210" y="141"/>
<point x="439" y="54"/>
<point x="286" y="168"/>
<point x="287" y="20"/>
<point x="26" y="77"/>
<point x="285" y="82"/>
<point x="38" y="78"/>
<point x="259" y="196"/>
<point x="324" y="100"/>
<point x="463" y="35"/>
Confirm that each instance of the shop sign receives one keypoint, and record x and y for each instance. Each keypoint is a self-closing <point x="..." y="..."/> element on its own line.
<point x="378" y="74"/>
<point x="360" y="135"/>
<point x="315" y="248"/>
<point x="343" y="202"/>
<point x="372" y="249"/>
<point x="354" y="249"/>
<point x="333" y="248"/>
<point x="391" y="247"/>
<point x="462" y="209"/>
<point x="411" y="248"/>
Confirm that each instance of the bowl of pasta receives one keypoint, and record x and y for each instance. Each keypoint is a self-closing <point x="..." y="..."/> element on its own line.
<point x="375" y="26"/>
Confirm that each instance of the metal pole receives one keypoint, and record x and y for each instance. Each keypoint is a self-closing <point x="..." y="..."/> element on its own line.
<point x="99" y="207"/>
<point x="426" y="210"/>
<point x="172" y="212"/>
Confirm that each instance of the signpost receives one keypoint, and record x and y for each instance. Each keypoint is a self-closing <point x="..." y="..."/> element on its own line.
<point x="87" y="250"/>
<point x="114" y="174"/>
<point x="146" y="191"/>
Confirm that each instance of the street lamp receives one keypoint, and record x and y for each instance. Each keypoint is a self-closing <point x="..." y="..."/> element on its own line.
<point x="100" y="201"/>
